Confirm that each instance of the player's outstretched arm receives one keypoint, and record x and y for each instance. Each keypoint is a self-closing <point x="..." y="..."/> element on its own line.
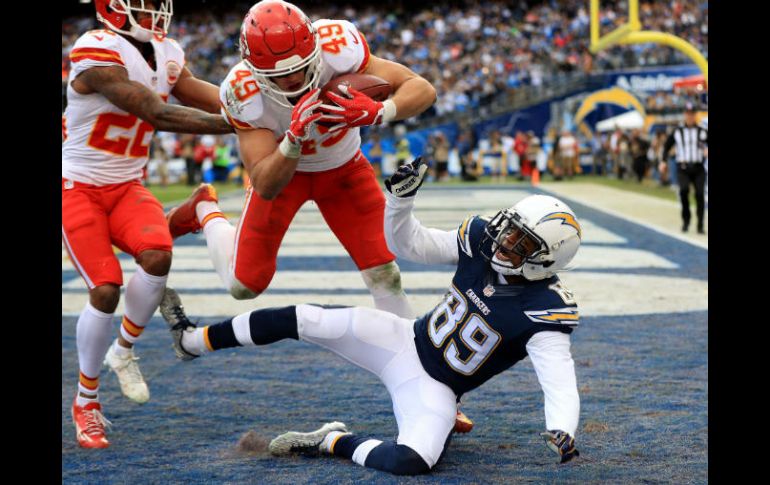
<point x="196" y="93"/>
<point x="404" y="234"/>
<point x="113" y="83"/>
<point x="555" y="369"/>
<point x="412" y="94"/>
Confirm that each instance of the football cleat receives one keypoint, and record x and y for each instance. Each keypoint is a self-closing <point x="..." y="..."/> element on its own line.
<point x="89" y="425"/>
<point x="561" y="443"/>
<point x="132" y="383"/>
<point x="308" y="443"/>
<point x="463" y="423"/>
<point x="173" y="313"/>
<point x="182" y="219"/>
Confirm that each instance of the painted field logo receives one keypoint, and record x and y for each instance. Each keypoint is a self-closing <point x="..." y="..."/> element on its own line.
<point x="173" y="70"/>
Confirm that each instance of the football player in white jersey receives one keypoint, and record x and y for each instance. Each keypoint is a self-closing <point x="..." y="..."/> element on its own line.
<point x="121" y="77"/>
<point x="506" y="302"/>
<point x="270" y="97"/>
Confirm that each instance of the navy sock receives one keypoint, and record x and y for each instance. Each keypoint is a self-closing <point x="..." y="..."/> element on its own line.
<point x="273" y="324"/>
<point x="347" y="444"/>
<point x="222" y="336"/>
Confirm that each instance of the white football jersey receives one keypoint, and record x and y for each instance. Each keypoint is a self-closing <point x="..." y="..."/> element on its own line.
<point x="104" y="144"/>
<point x="343" y="50"/>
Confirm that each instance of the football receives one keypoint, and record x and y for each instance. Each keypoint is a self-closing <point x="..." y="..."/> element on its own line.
<point x="375" y="87"/>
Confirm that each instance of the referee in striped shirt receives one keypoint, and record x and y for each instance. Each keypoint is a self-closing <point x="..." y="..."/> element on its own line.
<point x="690" y="141"/>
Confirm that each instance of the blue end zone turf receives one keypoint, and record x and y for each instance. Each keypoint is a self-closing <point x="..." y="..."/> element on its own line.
<point x="643" y="381"/>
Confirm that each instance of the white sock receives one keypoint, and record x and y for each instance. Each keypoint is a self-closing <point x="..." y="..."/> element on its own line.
<point x="143" y="294"/>
<point x="329" y="440"/>
<point x="82" y="401"/>
<point x="121" y="351"/>
<point x="220" y="240"/>
<point x="93" y="335"/>
<point x="242" y="329"/>
<point x="204" y="208"/>
<point x="195" y="342"/>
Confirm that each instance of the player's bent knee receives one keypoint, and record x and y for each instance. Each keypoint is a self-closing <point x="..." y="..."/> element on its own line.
<point x="154" y="261"/>
<point x="386" y="277"/>
<point x="105" y="297"/>
<point x="397" y="459"/>
<point x="250" y="284"/>
<point x="239" y="291"/>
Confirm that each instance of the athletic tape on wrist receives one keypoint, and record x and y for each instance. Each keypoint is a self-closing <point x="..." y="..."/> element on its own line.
<point x="289" y="149"/>
<point x="388" y="111"/>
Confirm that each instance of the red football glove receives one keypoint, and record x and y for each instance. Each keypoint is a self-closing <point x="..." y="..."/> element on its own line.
<point x="303" y="116"/>
<point x="357" y="109"/>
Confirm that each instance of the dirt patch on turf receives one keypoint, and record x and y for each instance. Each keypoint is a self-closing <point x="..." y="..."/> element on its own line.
<point x="595" y="427"/>
<point x="251" y="444"/>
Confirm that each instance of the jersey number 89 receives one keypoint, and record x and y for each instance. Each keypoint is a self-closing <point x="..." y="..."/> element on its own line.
<point x="474" y="334"/>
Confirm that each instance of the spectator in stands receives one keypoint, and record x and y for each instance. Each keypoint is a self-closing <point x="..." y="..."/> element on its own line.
<point x="466" y="142"/>
<point x="441" y="156"/>
<point x="623" y="164"/>
<point x="492" y="149"/>
<point x="600" y="151"/>
<point x="222" y="159"/>
<point x="403" y="153"/>
<point x="568" y="153"/>
<point x="160" y="157"/>
<point x="187" y="151"/>
<point x="657" y="159"/>
<point x="520" y="144"/>
<point x="204" y="155"/>
<point x="535" y="153"/>
<point x="470" y="51"/>
<point x="639" y="147"/>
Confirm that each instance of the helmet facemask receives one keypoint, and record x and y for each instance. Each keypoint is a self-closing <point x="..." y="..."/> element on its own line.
<point x="527" y="247"/>
<point x="284" y="67"/>
<point x="264" y="77"/>
<point x="156" y="23"/>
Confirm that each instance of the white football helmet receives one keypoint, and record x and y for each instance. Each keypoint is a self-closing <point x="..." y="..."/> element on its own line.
<point x="552" y="229"/>
<point x="121" y="16"/>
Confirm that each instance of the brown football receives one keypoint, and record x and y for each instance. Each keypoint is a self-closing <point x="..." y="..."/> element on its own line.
<point x="375" y="87"/>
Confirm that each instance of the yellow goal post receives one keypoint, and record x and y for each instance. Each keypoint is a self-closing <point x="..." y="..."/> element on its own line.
<point x="631" y="33"/>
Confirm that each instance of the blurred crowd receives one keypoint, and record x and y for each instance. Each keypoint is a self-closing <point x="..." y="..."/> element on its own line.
<point x="469" y="51"/>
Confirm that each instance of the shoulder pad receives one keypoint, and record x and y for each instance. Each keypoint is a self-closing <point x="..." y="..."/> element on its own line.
<point x="96" y="48"/>
<point x="558" y="303"/>
<point x="463" y="236"/>
<point x="343" y="48"/>
<point x="561" y="316"/>
<point x="240" y="98"/>
<point x="469" y="234"/>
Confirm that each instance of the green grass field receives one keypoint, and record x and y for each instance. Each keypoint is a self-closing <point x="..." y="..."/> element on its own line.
<point x="177" y="192"/>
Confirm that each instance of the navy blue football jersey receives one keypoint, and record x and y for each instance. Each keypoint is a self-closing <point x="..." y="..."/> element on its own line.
<point x="481" y="327"/>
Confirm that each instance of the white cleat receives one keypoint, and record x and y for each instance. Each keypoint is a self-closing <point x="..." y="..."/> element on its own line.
<point x="294" y="442"/>
<point x="130" y="377"/>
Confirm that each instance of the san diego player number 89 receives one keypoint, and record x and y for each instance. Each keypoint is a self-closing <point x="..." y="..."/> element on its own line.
<point x="475" y="334"/>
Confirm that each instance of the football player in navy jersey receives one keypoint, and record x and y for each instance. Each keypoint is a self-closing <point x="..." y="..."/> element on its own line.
<point x="505" y="303"/>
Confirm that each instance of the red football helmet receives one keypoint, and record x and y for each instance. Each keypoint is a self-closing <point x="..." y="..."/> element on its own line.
<point x="118" y="15"/>
<point x="278" y="39"/>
